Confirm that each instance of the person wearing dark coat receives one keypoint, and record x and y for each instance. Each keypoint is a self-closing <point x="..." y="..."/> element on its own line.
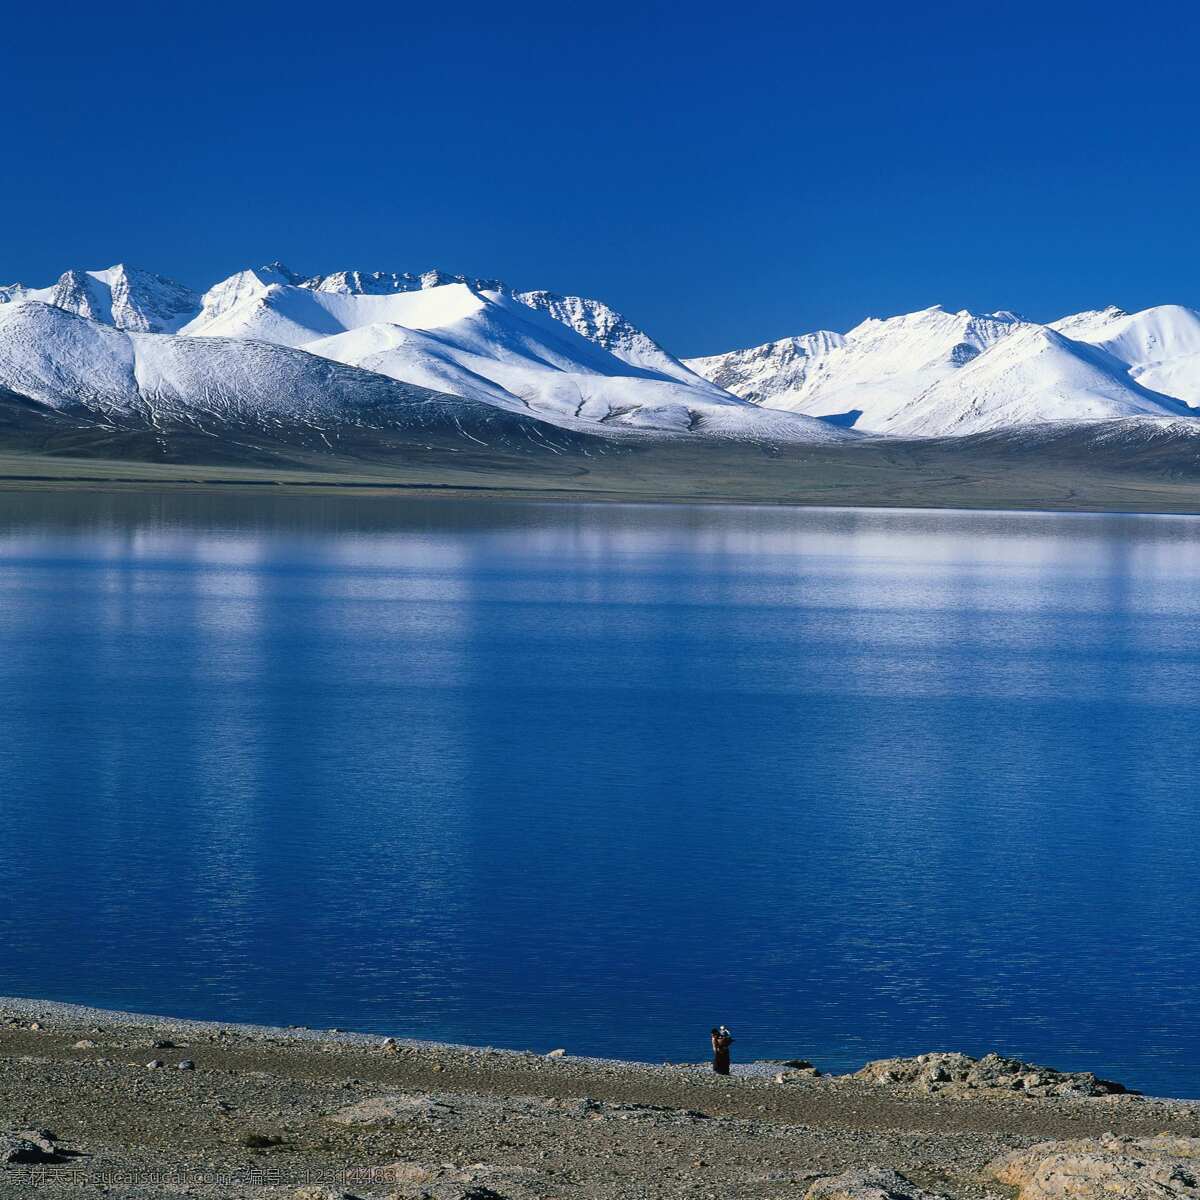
<point x="721" y="1041"/>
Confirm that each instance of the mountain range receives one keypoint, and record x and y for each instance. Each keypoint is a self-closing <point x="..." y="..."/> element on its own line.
<point x="942" y="374"/>
<point x="474" y="360"/>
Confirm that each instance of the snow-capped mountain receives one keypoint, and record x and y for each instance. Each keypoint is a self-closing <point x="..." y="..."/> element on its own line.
<point x="591" y="319"/>
<point x="764" y="372"/>
<point x="594" y="320"/>
<point x="326" y="349"/>
<point x="99" y="374"/>
<point x="862" y="378"/>
<point x="520" y="351"/>
<point x="1159" y="346"/>
<point x="1034" y="375"/>
<point x="121" y="296"/>
<point x="459" y="337"/>
<point x="935" y="373"/>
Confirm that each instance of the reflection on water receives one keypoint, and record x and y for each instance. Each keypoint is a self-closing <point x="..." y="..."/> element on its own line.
<point x="857" y="783"/>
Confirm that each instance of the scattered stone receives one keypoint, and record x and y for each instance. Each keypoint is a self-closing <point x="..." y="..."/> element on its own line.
<point x="870" y="1183"/>
<point x="262" y="1141"/>
<point x="154" y="1064"/>
<point x="35" y="1025"/>
<point x="560" y="1053"/>
<point x="956" y="1073"/>
<point x="1165" y="1167"/>
<point x="382" y="1110"/>
<point x="186" y="1065"/>
<point x="163" y="1044"/>
<point x="798" y="1069"/>
<point x="84" y="1044"/>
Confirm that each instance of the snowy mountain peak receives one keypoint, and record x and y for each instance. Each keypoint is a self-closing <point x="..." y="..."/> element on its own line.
<point x="936" y="373"/>
<point x="605" y="327"/>
<point x="10" y="293"/>
<point x="1033" y="376"/>
<point x="124" y="297"/>
<point x="277" y="272"/>
<point x="250" y="284"/>
<point x="1160" y="346"/>
<point x="861" y="378"/>
<point x="363" y="283"/>
<point x="591" y="319"/>
<point x="384" y="283"/>
<point x="578" y="363"/>
<point x="761" y="372"/>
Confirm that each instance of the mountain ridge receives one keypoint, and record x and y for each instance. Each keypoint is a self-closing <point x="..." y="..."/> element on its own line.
<point x="940" y="373"/>
<point x="577" y="364"/>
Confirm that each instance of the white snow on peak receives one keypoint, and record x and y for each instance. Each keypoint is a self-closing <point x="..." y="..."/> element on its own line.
<point x="246" y="306"/>
<point x="1034" y="375"/>
<point x="1159" y="346"/>
<point x="594" y="320"/>
<point x="121" y="296"/>
<point x="492" y="345"/>
<point x="774" y="369"/>
<point x="82" y="367"/>
<point x="381" y="283"/>
<point x="864" y="377"/>
<point x="576" y="362"/>
<point x="941" y="373"/>
<point x="240" y="288"/>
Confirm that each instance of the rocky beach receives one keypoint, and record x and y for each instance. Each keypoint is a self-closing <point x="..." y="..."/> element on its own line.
<point x="133" y="1108"/>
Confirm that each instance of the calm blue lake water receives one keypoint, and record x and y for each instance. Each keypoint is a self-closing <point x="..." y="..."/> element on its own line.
<point x="855" y="783"/>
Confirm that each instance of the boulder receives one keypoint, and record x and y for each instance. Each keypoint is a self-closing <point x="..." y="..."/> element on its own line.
<point x="1165" y="1167"/>
<point x="956" y="1073"/>
<point x="868" y="1183"/>
<point x="28" y="1146"/>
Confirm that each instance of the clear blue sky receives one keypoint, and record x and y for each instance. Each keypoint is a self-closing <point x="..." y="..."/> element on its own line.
<point x="724" y="174"/>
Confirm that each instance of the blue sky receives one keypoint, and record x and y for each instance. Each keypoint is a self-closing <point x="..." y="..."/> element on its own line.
<point x="723" y="174"/>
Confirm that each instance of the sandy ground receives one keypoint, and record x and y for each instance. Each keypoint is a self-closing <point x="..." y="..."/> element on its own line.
<point x="297" y="1113"/>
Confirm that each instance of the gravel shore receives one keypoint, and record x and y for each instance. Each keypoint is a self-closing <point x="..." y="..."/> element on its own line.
<point x="315" y="1115"/>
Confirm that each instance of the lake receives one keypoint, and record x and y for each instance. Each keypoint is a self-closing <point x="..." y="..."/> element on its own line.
<point x="856" y="783"/>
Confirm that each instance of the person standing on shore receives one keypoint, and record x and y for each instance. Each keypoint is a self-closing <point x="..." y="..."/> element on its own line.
<point x="722" y="1039"/>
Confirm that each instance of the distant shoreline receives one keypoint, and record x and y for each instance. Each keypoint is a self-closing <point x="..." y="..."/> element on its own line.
<point x="950" y="475"/>
<point x="58" y="1012"/>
